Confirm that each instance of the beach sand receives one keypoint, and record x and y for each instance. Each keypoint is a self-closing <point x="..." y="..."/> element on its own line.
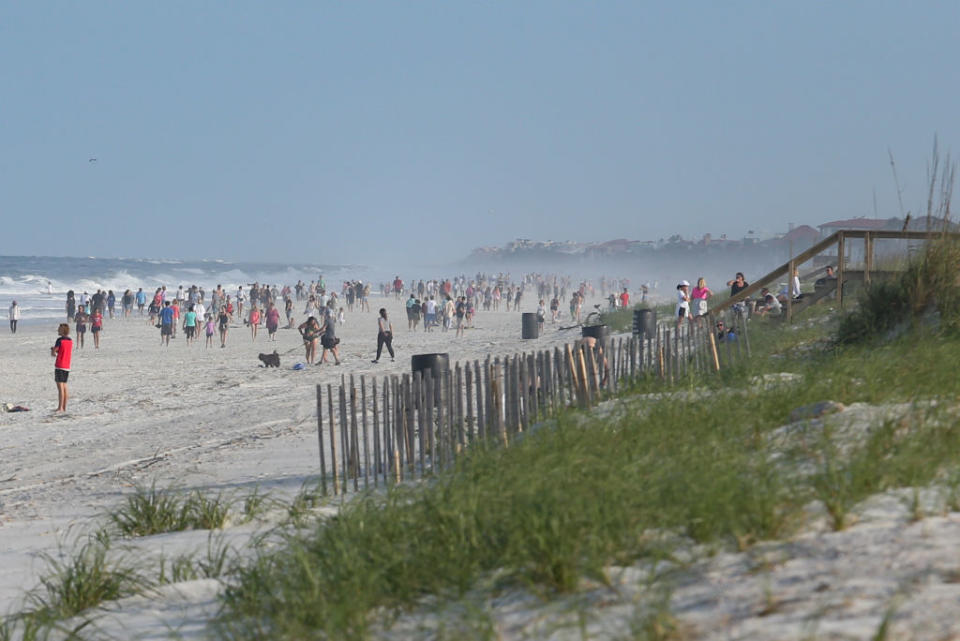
<point x="184" y="416"/>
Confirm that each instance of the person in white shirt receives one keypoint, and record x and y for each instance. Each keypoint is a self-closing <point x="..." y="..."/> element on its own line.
<point x="683" y="301"/>
<point x="14" y="316"/>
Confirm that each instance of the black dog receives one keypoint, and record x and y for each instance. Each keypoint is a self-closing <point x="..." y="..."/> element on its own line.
<point x="270" y="360"/>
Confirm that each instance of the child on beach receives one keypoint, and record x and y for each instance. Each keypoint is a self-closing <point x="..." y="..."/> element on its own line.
<point x="81" y="320"/>
<point x="699" y="297"/>
<point x="96" y="324"/>
<point x="341" y="318"/>
<point x="62" y="350"/>
<point x="209" y="328"/>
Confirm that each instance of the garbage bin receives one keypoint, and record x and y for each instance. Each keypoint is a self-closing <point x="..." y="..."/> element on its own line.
<point x="531" y="329"/>
<point x="599" y="332"/>
<point x="436" y="364"/>
<point x="645" y="323"/>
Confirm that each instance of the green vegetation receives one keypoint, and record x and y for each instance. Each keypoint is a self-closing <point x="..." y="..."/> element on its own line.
<point x="926" y="286"/>
<point x="151" y="511"/>
<point x="565" y="502"/>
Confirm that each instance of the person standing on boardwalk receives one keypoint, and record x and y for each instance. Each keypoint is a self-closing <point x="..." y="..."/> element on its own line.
<point x="384" y="335"/>
<point x="14" y="316"/>
<point x="62" y="350"/>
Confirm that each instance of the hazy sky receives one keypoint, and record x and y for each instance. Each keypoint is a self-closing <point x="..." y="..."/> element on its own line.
<point x="360" y="131"/>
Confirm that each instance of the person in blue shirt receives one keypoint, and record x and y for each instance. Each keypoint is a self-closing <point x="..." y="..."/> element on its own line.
<point x="141" y="300"/>
<point x="166" y="323"/>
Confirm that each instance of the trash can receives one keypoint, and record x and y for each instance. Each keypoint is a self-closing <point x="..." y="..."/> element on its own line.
<point x="645" y="323"/>
<point x="436" y="364"/>
<point x="599" y="332"/>
<point x="531" y="329"/>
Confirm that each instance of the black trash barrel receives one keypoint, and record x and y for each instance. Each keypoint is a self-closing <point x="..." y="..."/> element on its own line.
<point x="598" y="332"/>
<point x="436" y="364"/>
<point x="531" y="329"/>
<point x="645" y="323"/>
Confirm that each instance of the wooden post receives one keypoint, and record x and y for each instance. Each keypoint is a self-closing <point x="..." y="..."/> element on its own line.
<point x="523" y="394"/>
<point x="377" y="461"/>
<point x="713" y="351"/>
<point x="409" y="416"/>
<point x="582" y="374"/>
<point x="345" y="434"/>
<point x="323" y="463"/>
<point x="399" y="438"/>
<point x="481" y="426"/>
<point x="867" y="256"/>
<point x="496" y="405"/>
<point x="571" y="376"/>
<point x="430" y="420"/>
<point x="458" y="404"/>
<point x="490" y="426"/>
<point x="442" y="419"/>
<point x="790" y="267"/>
<point x="354" y="436"/>
<point x="549" y="398"/>
<point x="387" y="433"/>
<point x="366" y="441"/>
<point x="418" y="393"/>
<point x="840" y="267"/>
<point x="333" y="440"/>
<point x="470" y="417"/>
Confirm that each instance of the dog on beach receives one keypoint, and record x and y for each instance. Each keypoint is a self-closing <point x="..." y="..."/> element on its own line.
<point x="270" y="360"/>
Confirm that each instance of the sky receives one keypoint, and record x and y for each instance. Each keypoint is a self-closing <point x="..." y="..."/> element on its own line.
<point x="364" y="132"/>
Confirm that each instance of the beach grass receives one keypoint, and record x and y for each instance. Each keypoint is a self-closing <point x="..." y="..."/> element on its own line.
<point x="151" y="510"/>
<point x="563" y="503"/>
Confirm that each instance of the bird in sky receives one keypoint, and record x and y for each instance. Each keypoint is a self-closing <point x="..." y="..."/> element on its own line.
<point x="92" y="160"/>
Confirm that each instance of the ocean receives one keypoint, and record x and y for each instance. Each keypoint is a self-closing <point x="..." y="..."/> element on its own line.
<point x="39" y="284"/>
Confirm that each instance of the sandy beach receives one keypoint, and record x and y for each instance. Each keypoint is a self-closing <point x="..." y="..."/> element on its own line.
<point x="184" y="416"/>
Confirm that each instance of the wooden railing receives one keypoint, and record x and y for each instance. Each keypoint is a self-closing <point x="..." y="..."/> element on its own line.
<point x="838" y="239"/>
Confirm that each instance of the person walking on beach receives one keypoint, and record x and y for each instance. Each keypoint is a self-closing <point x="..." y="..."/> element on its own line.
<point x="461" y="311"/>
<point x="190" y="324"/>
<point x="141" y="300"/>
<point x="62" y="350"/>
<point x="209" y="327"/>
<point x="14" y="316"/>
<point x="96" y="324"/>
<point x="166" y="323"/>
<point x="254" y="320"/>
<point x="310" y="331"/>
<point x="223" y="321"/>
<point x="71" y="305"/>
<point x="81" y="320"/>
<point x="328" y="338"/>
<point x="273" y="320"/>
<point x="384" y="335"/>
<point x="541" y="316"/>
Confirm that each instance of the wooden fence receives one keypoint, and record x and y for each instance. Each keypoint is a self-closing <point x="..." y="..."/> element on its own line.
<point x="375" y="431"/>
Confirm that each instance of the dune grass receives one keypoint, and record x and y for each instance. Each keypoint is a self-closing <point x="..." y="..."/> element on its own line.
<point x="150" y="510"/>
<point x="565" y="502"/>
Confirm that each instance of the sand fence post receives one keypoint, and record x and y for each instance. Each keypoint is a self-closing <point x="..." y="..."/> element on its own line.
<point x="410" y="425"/>
<point x="377" y="460"/>
<point x="354" y="436"/>
<point x="333" y="440"/>
<point x="468" y="389"/>
<point x="366" y="440"/>
<point x="481" y="426"/>
<point x="421" y="437"/>
<point x="323" y="463"/>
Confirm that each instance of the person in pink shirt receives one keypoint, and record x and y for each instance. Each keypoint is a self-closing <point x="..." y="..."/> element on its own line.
<point x="254" y="321"/>
<point x="273" y="320"/>
<point x="699" y="296"/>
